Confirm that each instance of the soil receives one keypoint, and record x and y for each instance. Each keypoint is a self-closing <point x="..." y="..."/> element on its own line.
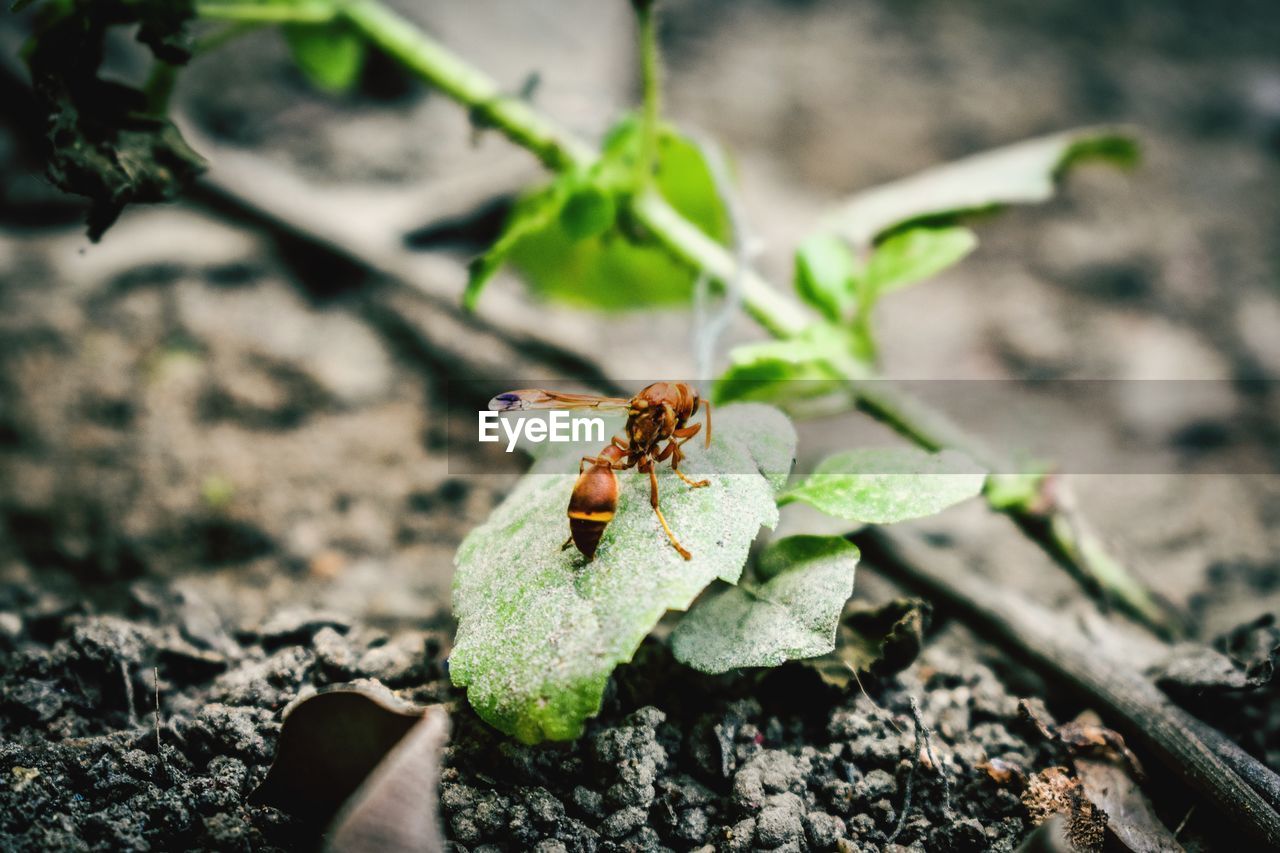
<point x="163" y="723"/>
<point x="224" y="479"/>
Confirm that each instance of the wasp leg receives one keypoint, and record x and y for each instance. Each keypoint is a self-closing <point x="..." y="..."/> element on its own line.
<point x="687" y="432"/>
<point x="653" y="500"/>
<point x="707" y="403"/>
<point x="567" y="543"/>
<point x="673" y="450"/>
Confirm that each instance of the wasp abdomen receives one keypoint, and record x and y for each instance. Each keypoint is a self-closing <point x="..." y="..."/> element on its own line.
<point x="591" y="507"/>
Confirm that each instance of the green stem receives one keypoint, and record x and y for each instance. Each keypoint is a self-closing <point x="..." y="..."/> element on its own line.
<point x="297" y="12"/>
<point x="650" y="69"/>
<point x="159" y="87"/>
<point x="777" y="313"/>
<point x="445" y="70"/>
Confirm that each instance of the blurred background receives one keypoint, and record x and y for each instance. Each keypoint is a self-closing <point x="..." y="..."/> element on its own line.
<point x="244" y="394"/>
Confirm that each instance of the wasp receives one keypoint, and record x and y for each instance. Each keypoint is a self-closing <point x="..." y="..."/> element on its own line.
<point x="657" y="426"/>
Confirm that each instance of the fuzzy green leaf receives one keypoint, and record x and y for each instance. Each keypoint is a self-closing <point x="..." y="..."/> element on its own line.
<point x="789" y="612"/>
<point x="884" y="485"/>
<point x="329" y="54"/>
<point x="1023" y="173"/>
<point x="824" y="275"/>
<point x="910" y="256"/>
<point x="539" y="630"/>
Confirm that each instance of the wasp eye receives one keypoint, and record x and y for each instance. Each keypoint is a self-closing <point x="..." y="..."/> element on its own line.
<point x="505" y="402"/>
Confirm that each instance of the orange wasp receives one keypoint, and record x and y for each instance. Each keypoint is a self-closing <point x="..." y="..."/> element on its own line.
<point x="657" y="425"/>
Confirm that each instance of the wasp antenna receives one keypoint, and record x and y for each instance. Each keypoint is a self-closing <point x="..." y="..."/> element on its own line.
<point x="707" y="403"/>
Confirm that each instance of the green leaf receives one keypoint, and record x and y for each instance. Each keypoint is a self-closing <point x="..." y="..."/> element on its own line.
<point x="1023" y="173"/>
<point x="884" y="485"/>
<point x="824" y="275"/>
<point x="534" y="212"/>
<point x="907" y="257"/>
<point x="812" y="364"/>
<point x="789" y="612"/>
<point x="539" y="630"/>
<point x="588" y="212"/>
<point x="329" y="54"/>
<point x="617" y="269"/>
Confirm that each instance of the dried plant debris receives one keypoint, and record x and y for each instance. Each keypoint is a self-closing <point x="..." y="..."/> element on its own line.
<point x="1230" y="684"/>
<point x="105" y="140"/>
<point x="1084" y="735"/>
<point x="85" y="764"/>
<point x="877" y="640"/>
<point x="1053" y="791"/>
<point x="1132" y="818"/>
<point x="396" y="810"/>
<point x="329" y="744"/>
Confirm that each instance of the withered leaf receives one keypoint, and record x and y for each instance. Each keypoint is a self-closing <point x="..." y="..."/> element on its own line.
<point x="1083" y="735"/>
<point x="104" y="140"/>
<point x="329" y="744"/>
<point x="880" y="641"/>
<point x="396" y="810"/>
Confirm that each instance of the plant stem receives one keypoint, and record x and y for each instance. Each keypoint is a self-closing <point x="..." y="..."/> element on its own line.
<point x="297" y="12"/>
<point x="650" y="72"/>
<point x="556" y="147"/>
<point x="777" y="313"/>
<point x="1051" y="521"/>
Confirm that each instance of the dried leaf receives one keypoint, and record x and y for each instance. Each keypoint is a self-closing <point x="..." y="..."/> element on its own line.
<point x="103" y="141"/>
<point x="1085" y="734"/>
<point x="881" y="641"/>
<point x="396" y="809"/>
<point x="329" y="744"/>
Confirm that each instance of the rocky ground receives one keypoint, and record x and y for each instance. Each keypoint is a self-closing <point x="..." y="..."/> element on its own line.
<point x="163" y="724"/>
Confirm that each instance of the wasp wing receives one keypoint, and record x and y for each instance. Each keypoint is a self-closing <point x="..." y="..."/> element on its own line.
<point x="539" y="398"/>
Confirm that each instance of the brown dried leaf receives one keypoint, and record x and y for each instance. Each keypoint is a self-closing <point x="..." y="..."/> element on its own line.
<point x="329" y="744"/>
<point x="395" y="810"/>
<point x="1083" y="734"/>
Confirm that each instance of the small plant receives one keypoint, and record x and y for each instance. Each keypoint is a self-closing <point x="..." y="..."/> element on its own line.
<point x="638" y="222"/>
